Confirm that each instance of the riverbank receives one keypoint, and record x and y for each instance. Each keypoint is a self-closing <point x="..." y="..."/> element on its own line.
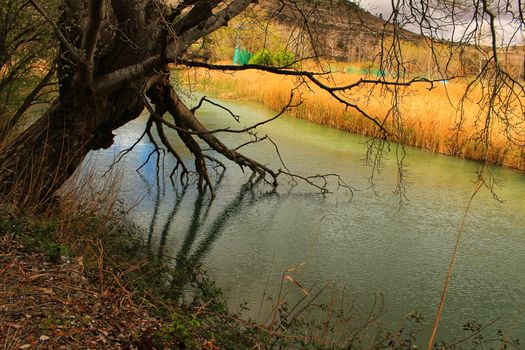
<point x="432" y="118"/>
<point x="76" y="281"/>
<point x="52" y="304"/>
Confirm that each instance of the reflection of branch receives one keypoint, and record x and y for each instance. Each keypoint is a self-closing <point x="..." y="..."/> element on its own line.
<point x="201" y="235"/>
<point x="186" y="263"/>
<point x="167" y="225"/>
<point x="154" y="215"/>
<point x="195" y="225"/>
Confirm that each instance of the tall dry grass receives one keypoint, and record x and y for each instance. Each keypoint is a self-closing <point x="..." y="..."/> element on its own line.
<point x="438" y="119"/>
<point x="84" y="219"/>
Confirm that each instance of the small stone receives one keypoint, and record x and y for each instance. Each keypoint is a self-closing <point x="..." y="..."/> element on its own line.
<point x="44" y="338"/>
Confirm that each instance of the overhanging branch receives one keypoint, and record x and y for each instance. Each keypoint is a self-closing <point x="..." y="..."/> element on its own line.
<point x="216" y="21"/>
<point x="117" y="79"/>
<point x="313" y="77"/>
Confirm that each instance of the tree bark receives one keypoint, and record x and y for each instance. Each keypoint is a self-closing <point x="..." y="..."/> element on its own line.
<point x="110" y="54"/>
<point x="45" y="155"/>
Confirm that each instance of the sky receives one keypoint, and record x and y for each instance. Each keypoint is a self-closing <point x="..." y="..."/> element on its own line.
<point x="376" y="6"/>
<point x="505" y="26"/>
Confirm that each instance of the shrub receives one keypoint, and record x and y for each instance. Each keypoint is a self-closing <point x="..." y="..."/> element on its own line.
<point x="281" y="58"/>
<point x="263" y="58"/>
<point x="284" y="58"/>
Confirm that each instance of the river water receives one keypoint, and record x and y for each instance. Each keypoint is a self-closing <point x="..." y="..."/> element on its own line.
<point x="365" y="245"/>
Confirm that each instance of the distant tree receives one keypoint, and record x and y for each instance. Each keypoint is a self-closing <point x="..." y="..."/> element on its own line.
<point x="27" y="52"/>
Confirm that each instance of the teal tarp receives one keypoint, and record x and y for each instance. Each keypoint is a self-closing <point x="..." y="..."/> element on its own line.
<point x="241" y="56"/>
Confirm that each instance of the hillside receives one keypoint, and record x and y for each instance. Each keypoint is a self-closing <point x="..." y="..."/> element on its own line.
<point x="340" y="30"/>
<point x="343" y="29"/>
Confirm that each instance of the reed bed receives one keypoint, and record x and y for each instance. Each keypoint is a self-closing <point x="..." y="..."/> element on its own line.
<point x="438" y="120"/>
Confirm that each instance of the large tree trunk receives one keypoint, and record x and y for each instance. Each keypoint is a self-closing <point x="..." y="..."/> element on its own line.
<point x="44" y="156"/>
<point x="111" y="54"/>
<point x="39" y="160"/>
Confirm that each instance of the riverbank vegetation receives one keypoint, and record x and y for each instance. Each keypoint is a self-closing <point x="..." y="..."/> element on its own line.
<point x="442" y="104"/>
<point x="436" y="116"/>
<point x="77" y="273"/>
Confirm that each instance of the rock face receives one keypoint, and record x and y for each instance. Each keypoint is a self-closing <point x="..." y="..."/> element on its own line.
<point x="341" y="28"/>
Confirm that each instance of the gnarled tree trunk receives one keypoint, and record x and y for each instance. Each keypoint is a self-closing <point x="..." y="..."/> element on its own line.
<point x="111" y="54"/>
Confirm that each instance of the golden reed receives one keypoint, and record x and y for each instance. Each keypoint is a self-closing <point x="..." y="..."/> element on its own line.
<point x="429" y="116"/>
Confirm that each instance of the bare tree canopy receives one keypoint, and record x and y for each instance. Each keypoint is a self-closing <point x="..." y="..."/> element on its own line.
<point x="113" y="59"/>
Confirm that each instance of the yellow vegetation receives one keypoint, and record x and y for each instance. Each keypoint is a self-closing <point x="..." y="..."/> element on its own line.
<point x="429" y="117"/>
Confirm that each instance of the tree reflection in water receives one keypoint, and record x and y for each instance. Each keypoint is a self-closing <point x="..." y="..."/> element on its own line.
<point x="199" y="236"/>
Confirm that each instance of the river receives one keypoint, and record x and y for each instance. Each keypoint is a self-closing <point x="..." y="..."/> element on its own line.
<point x="365" y="245"/>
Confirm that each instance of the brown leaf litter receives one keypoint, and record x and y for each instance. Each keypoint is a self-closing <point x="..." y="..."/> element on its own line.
<point x="45" y="305"/>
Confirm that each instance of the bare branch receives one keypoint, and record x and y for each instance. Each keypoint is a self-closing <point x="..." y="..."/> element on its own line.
<point x="89" y="42"/>
<point x="116" y="79"/>
<point x="204" y="98"/>
<point x="28" y="101"/>
<point x="312" y="77"/>
<point x="171" y="149"/>
<point x="77" y="56"/>
<point x="214" y="22"/>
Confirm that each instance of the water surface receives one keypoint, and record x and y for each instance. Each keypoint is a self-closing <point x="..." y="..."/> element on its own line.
<point x="366" y="245"/>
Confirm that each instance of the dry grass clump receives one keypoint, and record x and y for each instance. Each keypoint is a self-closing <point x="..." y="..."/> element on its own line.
<point x="434" y="117"/>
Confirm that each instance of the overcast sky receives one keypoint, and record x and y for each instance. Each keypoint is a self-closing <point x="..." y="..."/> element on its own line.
<point x="385" y="8"/>
<point x="376" y="6"/>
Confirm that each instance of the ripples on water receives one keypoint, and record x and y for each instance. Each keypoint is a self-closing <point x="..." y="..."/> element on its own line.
<point x="367" y="245"/>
